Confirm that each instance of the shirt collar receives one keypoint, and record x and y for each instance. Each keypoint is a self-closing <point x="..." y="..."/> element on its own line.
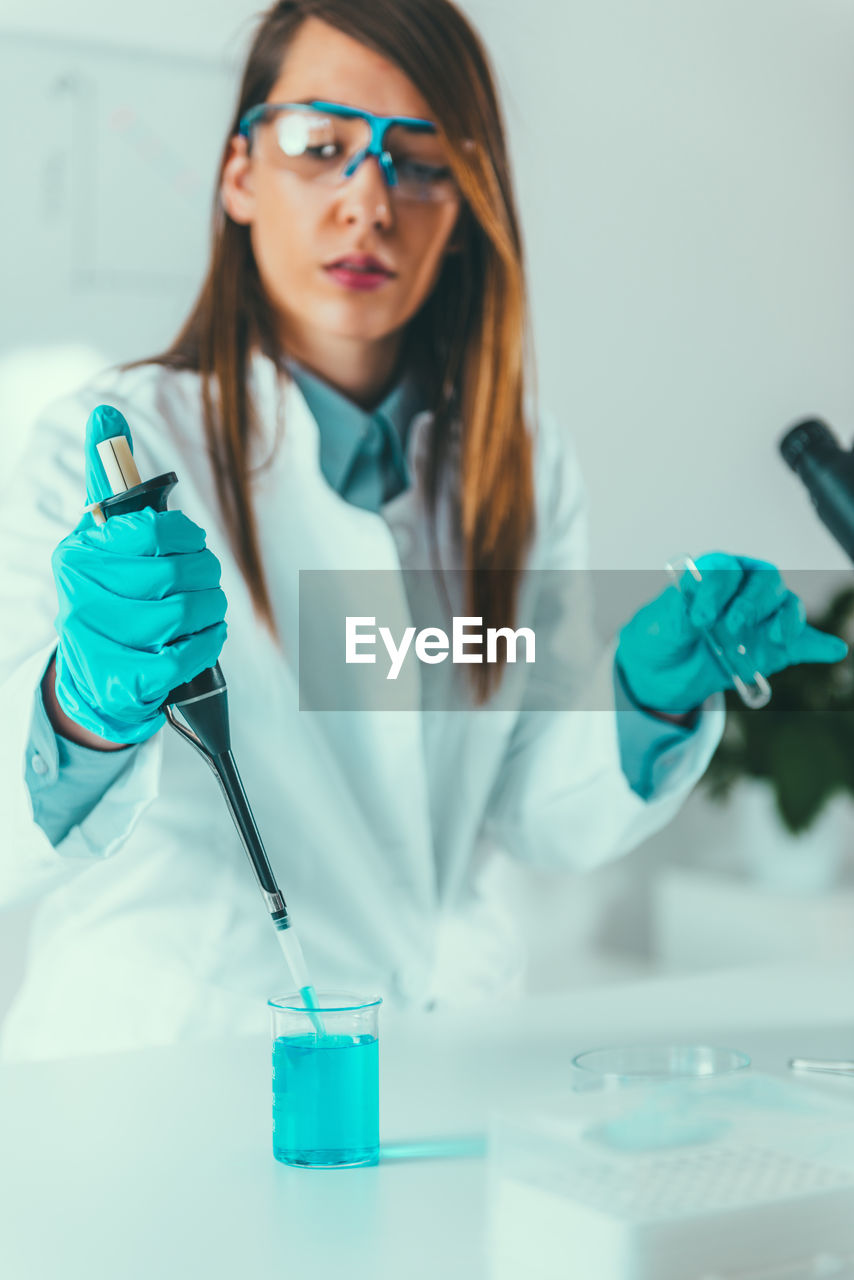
<point x="344" y="425"/>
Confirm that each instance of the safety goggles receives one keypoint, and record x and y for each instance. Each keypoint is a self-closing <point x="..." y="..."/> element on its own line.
<point x="325" y="142"/>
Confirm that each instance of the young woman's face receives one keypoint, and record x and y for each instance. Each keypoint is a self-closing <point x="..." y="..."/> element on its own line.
<point x="299" y="228"/>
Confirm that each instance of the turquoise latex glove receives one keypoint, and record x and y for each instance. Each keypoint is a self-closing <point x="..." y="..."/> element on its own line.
<point x="140" y="608"/>
<point x="666" y="663"/>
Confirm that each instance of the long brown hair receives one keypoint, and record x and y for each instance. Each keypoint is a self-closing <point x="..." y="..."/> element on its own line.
<point x="472" y="331"/>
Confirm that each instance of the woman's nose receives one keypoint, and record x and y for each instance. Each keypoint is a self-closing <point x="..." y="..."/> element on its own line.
<point x="364" y="197"/>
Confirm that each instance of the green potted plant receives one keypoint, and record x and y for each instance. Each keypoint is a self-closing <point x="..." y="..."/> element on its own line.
<point x="792" y="759"/>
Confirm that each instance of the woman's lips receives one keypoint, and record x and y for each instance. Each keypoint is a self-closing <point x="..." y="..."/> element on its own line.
<point x="351" y="278"/>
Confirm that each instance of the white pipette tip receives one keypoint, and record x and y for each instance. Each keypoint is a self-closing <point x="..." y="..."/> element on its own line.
<point x="292" y="951"/>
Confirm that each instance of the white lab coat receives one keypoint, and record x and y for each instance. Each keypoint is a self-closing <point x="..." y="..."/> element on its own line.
<point x="150" y="926"/>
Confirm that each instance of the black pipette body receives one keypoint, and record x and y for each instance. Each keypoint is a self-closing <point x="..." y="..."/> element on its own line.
<point x="203" y="706"/>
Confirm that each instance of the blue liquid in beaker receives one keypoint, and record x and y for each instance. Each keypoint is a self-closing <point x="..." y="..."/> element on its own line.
<point x="326" y="1100"/>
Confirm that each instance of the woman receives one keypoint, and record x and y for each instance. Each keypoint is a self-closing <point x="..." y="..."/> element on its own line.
<point x="348" y="393"/>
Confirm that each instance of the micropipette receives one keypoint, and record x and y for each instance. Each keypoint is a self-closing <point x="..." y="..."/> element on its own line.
<point x="203" y="707"/>
<point x="754" y="690"/>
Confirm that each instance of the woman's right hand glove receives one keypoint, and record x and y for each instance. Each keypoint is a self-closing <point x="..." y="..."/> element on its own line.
<point x="140" y="608"/>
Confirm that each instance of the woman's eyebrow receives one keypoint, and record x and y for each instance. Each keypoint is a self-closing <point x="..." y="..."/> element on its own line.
<point x="281" y="100"/>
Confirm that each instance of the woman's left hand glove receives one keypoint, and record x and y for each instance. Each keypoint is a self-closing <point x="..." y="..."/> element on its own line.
<point x="664" y="659"/>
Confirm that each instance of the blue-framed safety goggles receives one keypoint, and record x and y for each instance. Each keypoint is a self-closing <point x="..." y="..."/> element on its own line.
<point x="326" y="142"/>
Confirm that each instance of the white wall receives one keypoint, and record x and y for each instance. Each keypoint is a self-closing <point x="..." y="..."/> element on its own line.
<point x="684" y="175"/>
<point x="212" y="31"/>
<point x="686" y="184"/>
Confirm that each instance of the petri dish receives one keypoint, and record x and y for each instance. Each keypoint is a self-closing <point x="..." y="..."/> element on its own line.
<point x="628" y="1065"/>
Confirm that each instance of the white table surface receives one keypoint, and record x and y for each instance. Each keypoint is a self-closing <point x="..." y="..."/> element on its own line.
<point x="159" y="1164"/>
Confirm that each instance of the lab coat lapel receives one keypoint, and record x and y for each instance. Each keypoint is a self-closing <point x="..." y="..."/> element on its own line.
<point x="380" y="754"/>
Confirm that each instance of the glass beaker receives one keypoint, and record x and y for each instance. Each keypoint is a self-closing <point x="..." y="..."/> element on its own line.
<point x="624" y="1066"/>
<point x="326" y="1080"/>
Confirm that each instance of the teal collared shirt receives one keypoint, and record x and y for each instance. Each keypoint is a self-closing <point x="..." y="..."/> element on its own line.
<point x="362" y="452"/>
<point x="363" y="457"/>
